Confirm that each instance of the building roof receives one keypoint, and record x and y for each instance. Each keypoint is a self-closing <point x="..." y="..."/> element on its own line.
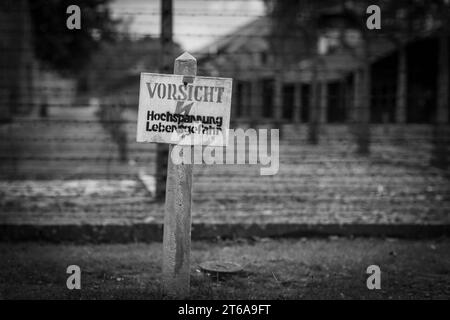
<point x="258" y="28"/>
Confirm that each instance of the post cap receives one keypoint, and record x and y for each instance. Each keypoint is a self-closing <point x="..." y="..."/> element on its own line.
<point x="186" y="56"/>
<point x="186" y="65"/>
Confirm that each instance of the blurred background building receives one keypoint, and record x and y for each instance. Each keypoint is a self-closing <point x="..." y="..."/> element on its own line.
<point x="409" y="69"/>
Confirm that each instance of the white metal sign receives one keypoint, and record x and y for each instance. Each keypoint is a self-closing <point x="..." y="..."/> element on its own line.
<point x="184" y="110"/>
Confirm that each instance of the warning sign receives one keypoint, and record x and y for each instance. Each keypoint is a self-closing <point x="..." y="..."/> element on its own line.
<point x="184" y="110"/>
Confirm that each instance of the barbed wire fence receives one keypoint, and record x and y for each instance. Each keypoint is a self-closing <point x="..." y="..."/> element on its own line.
<point x="54" y="163"/>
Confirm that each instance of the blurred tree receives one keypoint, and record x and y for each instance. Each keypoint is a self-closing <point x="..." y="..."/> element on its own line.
<point x="115" y="62"/>
<point x="68" y="51"/>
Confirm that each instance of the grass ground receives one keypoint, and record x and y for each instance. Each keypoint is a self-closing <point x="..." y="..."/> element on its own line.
<point x="273" y="269"/>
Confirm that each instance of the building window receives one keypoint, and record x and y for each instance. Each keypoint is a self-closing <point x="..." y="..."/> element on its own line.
<point x="422" y="69"/>
<point x="247" y="99"/>
<point x="267" y="95"/>
<point x="288" y="101"/>
<point x="383" y="90"/>
<point x="306" y="91"/>
<point x="239" y="99"/>
<point x="328" y="42"/>
<point x="336" y="102"/>
<point x="263" y="56"/>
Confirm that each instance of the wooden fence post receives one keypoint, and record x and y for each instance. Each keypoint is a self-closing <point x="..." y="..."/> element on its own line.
<point x="177" y="215"/>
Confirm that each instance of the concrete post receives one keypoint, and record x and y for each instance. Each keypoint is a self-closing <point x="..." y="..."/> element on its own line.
<point x="166" y="63"/>
<point x="401" y="97"/>
<point x="440" y="152"/>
